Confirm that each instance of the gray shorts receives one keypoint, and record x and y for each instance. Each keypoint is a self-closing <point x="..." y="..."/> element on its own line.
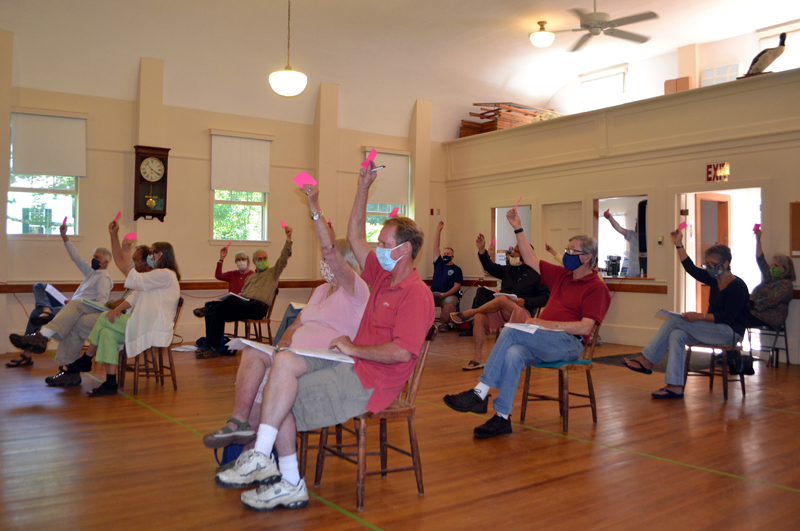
<point x="329" y="393"/>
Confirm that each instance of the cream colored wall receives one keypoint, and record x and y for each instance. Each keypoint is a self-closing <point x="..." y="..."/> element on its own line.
<point x="659" y="148"/>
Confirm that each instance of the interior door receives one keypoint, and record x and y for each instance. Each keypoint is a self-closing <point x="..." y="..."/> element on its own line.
<point x="712" y="226"/>
<point x="560" y="222"/>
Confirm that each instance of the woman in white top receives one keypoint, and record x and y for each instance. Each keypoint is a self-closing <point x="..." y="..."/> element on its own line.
<point x="154" y="302"/>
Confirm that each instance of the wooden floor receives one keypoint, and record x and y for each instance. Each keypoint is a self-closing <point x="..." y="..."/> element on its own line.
<point x="70" y="462"/>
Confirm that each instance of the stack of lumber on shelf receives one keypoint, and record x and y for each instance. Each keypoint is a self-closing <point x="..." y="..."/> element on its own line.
<point x="504" y="115"/>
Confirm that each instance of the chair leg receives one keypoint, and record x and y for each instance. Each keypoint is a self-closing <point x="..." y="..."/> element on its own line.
<point x="121" y="366"/>
<point x="724" y="374"/>
<point x="561" y="393"/>
<point x="741" y="379"/>
<point x="384" y="440"/>
<point x="171" y="370"/>
<point x="303" y="453"/>
<point x="236" y="329"/>
<point x="361" y="429"/>
<point x="136" y="375"/>
<point x="686" y="366"/>
<point x="565" y="397"/>
<point x="269" y="332"/>
<point x="592" y="401"/>
<point x="257" y="329"/>
<point x="412" y="437"/>
<point x="323" y="440"/>
<point x="525" y="389"/>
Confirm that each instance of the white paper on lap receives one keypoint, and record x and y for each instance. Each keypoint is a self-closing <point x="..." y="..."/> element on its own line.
<point x="333" y="355"/>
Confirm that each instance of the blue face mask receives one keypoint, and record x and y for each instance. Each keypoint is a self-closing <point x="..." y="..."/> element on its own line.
<point x="385" y="258"/>
<point x="572" y="262"/>
<point x="151" y="261"/>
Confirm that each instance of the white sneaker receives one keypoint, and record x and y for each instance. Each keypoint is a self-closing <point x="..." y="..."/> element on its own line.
<point x="281" y="494"/>
<point x="251" y="469"/>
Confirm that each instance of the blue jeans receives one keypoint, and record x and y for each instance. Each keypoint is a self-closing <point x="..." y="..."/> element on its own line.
<point x="42" y="299"/>
<point x="675" y="335"/>
<point x="516" y="350"/>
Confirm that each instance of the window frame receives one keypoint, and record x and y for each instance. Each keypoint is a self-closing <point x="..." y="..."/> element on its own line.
<point x="264" y="211"/>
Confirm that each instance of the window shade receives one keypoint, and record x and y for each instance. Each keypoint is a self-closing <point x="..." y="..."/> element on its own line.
<point x="240" y="164"/>
<point x="391" y="186"/>
<point x="48" y="145"/>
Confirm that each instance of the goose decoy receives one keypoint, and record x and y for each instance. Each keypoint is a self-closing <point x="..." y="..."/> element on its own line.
<point x="762" y="61"/>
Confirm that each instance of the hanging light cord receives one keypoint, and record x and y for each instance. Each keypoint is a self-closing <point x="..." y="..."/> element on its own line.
<point x="289" y="35"/>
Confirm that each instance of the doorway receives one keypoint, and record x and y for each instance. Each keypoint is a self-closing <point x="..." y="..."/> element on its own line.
<point x="713" y="222"/>
<point x="560" y="222"/>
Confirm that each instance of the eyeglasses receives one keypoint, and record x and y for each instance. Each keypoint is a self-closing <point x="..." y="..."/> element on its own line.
<point x="709" y="265"/>
<point x="573" y="252"/>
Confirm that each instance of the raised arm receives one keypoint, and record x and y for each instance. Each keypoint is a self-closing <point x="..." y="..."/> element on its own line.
<point x="437" y="240"/>
<point x="525" y="249"/>
<point x="120" y="260"/>
<point x="759" y="249"/>
<point x="617" y="226"/>
<point x="327" y="239"/>
<point x="357" y="226"/>
<point x="286" y="252"/>
<point x="677" y="239"/>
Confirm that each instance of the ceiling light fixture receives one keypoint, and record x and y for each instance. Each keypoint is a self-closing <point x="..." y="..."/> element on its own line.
<point x="287" y="82"/>
<point x="542" y="38"/>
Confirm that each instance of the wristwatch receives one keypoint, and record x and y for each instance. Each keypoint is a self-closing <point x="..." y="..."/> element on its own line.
<point x="316" y="215"/>
<point x="518" y="230"/>
<point x="679" y="246"/>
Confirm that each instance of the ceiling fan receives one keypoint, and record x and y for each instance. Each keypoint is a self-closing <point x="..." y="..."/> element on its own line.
<point x="596" y="23"/>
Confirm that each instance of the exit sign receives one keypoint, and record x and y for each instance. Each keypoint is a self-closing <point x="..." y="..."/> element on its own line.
<point x="718" y="172"/>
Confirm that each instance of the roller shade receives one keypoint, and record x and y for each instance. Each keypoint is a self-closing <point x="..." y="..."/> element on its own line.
<point x="240" y="164"/>
<point x="391" y="186"/>
<point x="48" y="145"/>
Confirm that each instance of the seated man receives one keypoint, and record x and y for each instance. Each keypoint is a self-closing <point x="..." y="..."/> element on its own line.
<point x="96" y="286"/>
<point x="305" y="393"/>
<point x="578" y="300"/>
<point x="526" y="290"/>
<point x="259" y="290"/>
<point x="72" y="326"/>
<point x="447" y="280"/>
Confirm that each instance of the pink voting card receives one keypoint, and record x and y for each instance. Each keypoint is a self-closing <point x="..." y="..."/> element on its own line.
<point x="606" y="212"/>
<point x="370" y="158"/>
<point x="119" y="215"/>
<point x="65" y="221"/>
<point x="283" y="224"/>
<point x="515" y="206"/>
<point x="303" y="178"/>
<point x="394" y="212"/>
<point x="228" y="246"/>
<point x="682" y="226"/>
<point x="756" y="227"/>
<point x="493" y="241"/>
<point x="130" y="236"/>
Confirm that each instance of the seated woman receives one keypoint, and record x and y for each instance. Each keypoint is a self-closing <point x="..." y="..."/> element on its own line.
<point x="334" y="309"/>
<point x="769" y="302"/>
<point x="154" y="302"/>
<point x="723" y="324"/>
<point x="235" y="277"/>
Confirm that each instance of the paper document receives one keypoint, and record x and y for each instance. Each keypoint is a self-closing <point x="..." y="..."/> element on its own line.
<point x="297" y="305"/>
<point x="184" y="348"/>
<point x="57" y="295"/>
<point x="333" y="355"/>
<point x="509" y="295"/>
<point x="94" y="306"/>
<point x="529" y="328"/>
<point x="229" y="294"/>
<point x="666" y="313"/>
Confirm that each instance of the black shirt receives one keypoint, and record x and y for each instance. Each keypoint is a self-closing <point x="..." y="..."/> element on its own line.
<point x="522" y="280"/>
<point x="730" y="306"/>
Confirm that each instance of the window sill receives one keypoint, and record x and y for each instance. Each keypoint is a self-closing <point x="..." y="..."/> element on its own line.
<point x="42" y="237"/>
<point x="223" y="243"/>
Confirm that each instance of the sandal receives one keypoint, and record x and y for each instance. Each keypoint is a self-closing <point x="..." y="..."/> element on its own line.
<point x="459" y="318"/>
<point x="642" y="369"/>
<point x="472" y="366"/>
<point x="242" y="435"/>
<point x="666" y="395"/>
<point x="22" y="361"/>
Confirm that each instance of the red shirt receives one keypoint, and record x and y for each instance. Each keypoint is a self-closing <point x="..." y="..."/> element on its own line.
<point x="234" y="278"/>
<point x="402" y="314"/>
<point x="572" y="300"/>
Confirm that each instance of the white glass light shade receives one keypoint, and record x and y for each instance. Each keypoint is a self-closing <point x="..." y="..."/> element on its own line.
<point x="288" y="82"/>
<point x="542" y="39"/>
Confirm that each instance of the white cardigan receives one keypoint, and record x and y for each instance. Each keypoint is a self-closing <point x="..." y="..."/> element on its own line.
<point x="154" y="302"/>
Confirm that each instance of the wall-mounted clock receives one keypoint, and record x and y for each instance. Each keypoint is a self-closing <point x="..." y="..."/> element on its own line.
<point x="150" y="174"/>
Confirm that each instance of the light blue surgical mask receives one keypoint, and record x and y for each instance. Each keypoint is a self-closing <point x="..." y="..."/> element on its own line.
<point x="151" y="261"/>
<point x="385" y="257"/>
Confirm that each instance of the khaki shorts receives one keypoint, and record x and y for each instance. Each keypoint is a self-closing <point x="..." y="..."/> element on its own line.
<point x="450" y="299"/>
<point x="329" y="393"/>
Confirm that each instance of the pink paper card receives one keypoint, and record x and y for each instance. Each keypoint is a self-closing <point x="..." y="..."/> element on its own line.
<point x="228" y="246"/>
<point x="682" y="226"/>
<point x="515" y="206"/>
<point x="119" y="215"/>
<point x="370" y="158"/>
<point x="283" y="224"/>
<point x="65" y="221"/>
<point x="130" y="236"/>
<point x="756" y="227"/>
<point x="394" y="212"/>
<point x="303" y="178"/>
<point x="493" y="241"/>
<point x="606" y="212"/>
<point x="330" y="223"/>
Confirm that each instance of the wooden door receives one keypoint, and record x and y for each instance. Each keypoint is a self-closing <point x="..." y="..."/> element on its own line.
<point x="712" y="226"/>
<point x="560" y="222"/>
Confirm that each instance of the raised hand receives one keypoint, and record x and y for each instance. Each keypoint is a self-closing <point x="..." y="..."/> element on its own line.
<point x="677" y="237"/>
<point x="549" y="249"/>
<point x="480" y="241"/>
<point x="313" y="196"/>
<point x="113" y="227"/>
<point x="223" y="253"/>
<point x="513" y="219"/>
<point x="366" y="176"/>
<point x="440" y="226"/>
<point x="288" y="231"/>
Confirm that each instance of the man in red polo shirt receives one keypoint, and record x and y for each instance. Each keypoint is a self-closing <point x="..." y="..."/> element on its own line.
<point x="305" y="393"/>
<point x="578" y="300"/>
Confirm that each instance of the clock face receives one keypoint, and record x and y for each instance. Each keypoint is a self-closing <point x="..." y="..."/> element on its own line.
<point x="152" y="169"/>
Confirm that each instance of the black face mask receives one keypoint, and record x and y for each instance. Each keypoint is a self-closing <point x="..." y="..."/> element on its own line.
<point x="95" y="264"/>
<point x="447" y="259"/>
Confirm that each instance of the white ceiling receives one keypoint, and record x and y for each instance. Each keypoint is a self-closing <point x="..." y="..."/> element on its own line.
<point x="384" y="54"/>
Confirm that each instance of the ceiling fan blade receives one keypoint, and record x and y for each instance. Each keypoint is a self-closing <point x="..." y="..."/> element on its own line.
<point x="617" y="22"/>
<point x="581" y="42"/>
<point x="627" y="35"/>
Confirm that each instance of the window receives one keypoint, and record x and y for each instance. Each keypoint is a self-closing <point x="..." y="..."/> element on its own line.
<point x="38" y="204"/>
<point x="389" y="191"/>
<point x="720" y="74"/>
<point x="240" y="215"/>
<point x="626" y="211"/>
<point x="602" y="89"/>
<point x="48" y="155"/>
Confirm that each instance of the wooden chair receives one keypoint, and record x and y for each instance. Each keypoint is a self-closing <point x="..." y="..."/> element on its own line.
<point x="257" y="324"/>
<point x="712" y="369"/>
<point x="774" y="350"/>
<point x="564" y="368"/>
<point x="148" y="359"/>
<point x="403" y="407"/>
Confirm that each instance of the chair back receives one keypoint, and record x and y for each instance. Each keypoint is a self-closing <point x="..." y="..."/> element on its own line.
<point x="271" y="306"/>
<point x="588" y="350"/>
<point x="409" y="393"/>
<point x="175" y="320"/>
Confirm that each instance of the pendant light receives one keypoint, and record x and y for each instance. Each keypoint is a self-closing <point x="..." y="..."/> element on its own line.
<point x="542" y="38"/>
<point x="287" y="82"/>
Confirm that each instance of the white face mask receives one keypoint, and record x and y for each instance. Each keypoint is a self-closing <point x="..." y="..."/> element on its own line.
<point x="325" y="271"/>
<point x="241" y="264"/>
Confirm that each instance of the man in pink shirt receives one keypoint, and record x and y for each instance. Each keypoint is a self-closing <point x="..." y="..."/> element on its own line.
<point x="298" y="395"/>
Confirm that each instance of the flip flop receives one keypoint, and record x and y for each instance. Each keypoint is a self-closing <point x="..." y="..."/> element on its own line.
<point x="472" y="366"/>
<point x="642" y="369"/>
<point x="22" y="361"/>
<point x="458" y="318"/>
<point x="667" y="394"/>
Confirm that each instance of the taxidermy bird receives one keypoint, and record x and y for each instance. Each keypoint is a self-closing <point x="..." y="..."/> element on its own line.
<point x="762" y="61"/>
